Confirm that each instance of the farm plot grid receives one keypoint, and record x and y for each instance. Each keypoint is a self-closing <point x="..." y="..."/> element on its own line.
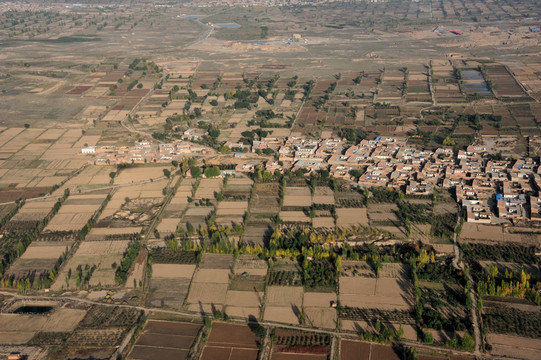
<point x="165" y="340"/>
<point x="360" y="289"/>
<point x="169" y="284"/>
<point x="246" y="291"/>
<point x="264" y="205"/>
<point x="290" y="345"/>
<point x="208" y="290"/>
<point x="357" y="350"/>
<point x="230" y="341"/>
<point x="94" y="263"/>
<point x="75" y="212"/>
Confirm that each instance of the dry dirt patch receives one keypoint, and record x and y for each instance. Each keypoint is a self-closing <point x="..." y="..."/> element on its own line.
<point x="348" y="217"/>
<point x="284" y="295"/>
<point x="172" y="271"/>
<point x="514" y="346"/>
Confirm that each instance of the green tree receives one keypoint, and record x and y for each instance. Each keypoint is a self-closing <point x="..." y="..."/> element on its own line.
<point x="428" y="338"/>
<point x="212" y="171"/>
<point x="467" y="342"/>
<point x="196" y="171"/>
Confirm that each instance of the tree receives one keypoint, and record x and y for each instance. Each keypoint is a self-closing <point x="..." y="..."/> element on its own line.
<point x="112" y="175"/>
<point x="167" y="173"/>
<point x="196" y="171"/>
<point x="212" y="171"/>
<point x="412" y="354"/>
<point x="428" y="338"/>
<point x="400" y="332"/>
<point x="26" y="126"/>
<point x="356" y="173"/>
<point x="467" y="342"/>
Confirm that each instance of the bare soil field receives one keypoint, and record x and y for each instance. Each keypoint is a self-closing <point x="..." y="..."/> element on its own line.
<point x="294" y="217"/>
<point x="382" y="293"/>
<point x="514" y="346"/>
<point x="251" y="265"/>
<point x="238" y="187"/>
<point x="348" y="217"/>
<point x="172" y="271"/>
<point x="206" y="296"/>
<point x="20" y="328"/>
<point x="257" y="233"/>
<point x="243" y="312"/>
<point x="265" y="199"/>
<point x="296" y="356"/>
<point x="229" y="208"/>
<point x="481" y="232"/>
<point x="284" y="295"/>
<point x="137" y="174"/>
<point x="354" y="350"/>
<point x="297" y="196"/>
<point x="101" y="254"/>
<point x="169" y="285"/>
<point x="251" y="299"/>
<point x="164" y="340"/>
<point x="168" y="292"/>
<point x="232" y="335"/>
<point x="282" y="314"/>
<point x="323" y="222"/>
<point x="323" y="195"/>
<point x="72" y="217"/>
<point x="208" y="188"/>
<point x="218" y="276"/>
<point x="319" y="317"/>
<point x="39" y="257"/>
<point x="216" y="261"/>
<point x="168" y="226"/>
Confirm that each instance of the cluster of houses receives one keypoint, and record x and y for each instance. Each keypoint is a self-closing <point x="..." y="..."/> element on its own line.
<point x="490" y="191"/>
<point x="251" y="3"/>
<point x="142" y="152"/>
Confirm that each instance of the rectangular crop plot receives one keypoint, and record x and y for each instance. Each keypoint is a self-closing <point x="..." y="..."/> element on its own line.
<point x="169" y="293"/>
<point x="231" y="208"/>
<point x="348" y="217"/>
<point x="216" y="261"/>
<point x="165" y="340"/>
<point x="101" y="254"/>
<point x="354" y="350"/>
<point x="230" y="341"/>
<point x="172" y="271"/>
<point x="297" y="197"/>
<point x="169" y="284"/>
<point x="357" y="350"/>
<point x="238" y="187"/>
<point x="391" y="291"/>
<point x="323" y="195"/>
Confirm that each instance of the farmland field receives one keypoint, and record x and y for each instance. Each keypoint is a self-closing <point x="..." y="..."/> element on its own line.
<point x="229" y="341"/>
<point x="93" y="260"/>
<point x="165" y="339"/>
<point x="292" y="162"/>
